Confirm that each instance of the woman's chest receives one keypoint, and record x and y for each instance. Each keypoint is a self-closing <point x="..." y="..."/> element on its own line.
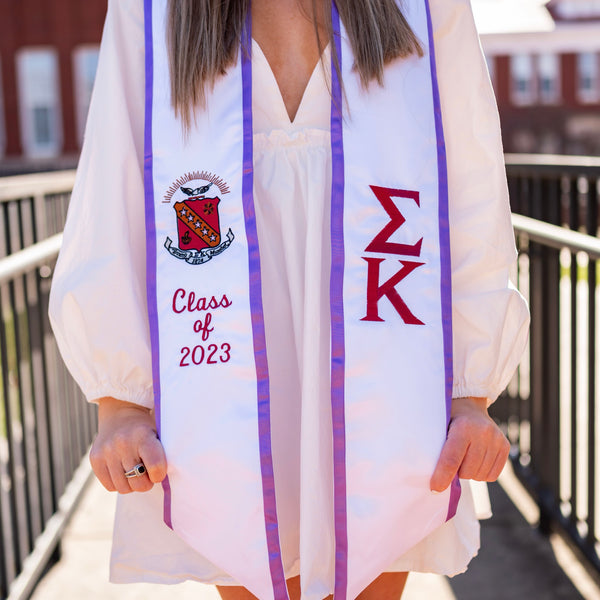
<point x="286" y="33"/>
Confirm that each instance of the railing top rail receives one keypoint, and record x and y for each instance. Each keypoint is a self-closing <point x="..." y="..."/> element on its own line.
<point x="555" y="164"/>
<point x="557" y="237"/>
<point x="34" y="256"/>
<point x="23" y="186"/>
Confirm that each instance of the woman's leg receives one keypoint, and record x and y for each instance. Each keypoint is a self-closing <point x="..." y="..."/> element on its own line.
<point x="388" y="586"/>
<point x="231" y="592"/>
<point x="240" y="593"/>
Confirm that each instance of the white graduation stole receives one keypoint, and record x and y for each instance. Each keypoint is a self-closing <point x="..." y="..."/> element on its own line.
<point x="391" y="369"/>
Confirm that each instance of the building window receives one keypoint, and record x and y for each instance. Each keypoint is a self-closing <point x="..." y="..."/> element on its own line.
<point x="548" y="78"/>
<point x="588" y="77"/>
<point x="522" y="79"/>
<point x="39" y="102"/>
<point x="85" y="63"/>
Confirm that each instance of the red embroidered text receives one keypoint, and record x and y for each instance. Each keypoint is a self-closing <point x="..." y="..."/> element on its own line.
<point x="375" y="289"/>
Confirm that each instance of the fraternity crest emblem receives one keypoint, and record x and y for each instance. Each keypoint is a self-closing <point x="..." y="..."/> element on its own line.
<point x="195" y="199"/>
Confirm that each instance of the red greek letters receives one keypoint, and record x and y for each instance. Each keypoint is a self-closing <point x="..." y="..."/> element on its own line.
<point x="380" y="241"/>
<point x="381" y="244"/>
<point x="375" y="291"/>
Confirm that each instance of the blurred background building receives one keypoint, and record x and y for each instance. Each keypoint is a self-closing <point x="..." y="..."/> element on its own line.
<point x="543" y="56"/>
<point x="544" y="60"/>
<point x="48" y="57"/>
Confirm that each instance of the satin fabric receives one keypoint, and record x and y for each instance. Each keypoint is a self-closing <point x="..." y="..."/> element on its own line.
<point x="212" y="390"/>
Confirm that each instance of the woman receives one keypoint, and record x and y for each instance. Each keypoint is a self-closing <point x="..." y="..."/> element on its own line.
<point x="288" y="332"/>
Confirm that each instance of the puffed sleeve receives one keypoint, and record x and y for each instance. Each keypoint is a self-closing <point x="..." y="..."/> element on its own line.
<point x="98" y="300"/>
<point x="490" y="318"/>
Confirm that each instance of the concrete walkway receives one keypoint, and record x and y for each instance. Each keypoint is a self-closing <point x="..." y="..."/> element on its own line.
<point x="515" y="563"/>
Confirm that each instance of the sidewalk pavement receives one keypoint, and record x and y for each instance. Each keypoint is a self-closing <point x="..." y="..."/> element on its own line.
<point x="516" y="563"/>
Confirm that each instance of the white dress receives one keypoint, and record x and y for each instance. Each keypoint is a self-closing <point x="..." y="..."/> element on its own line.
<point x="98" y="307"/>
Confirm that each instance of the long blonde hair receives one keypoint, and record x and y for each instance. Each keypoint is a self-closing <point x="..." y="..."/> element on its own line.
<point x="204" y="39"/>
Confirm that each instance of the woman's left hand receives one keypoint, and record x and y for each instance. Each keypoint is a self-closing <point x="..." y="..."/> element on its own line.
<point x="475" y="447"/>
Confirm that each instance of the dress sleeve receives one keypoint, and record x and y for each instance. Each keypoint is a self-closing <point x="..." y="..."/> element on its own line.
<point x="98" y="305"/>
<point x="490" y="317"/>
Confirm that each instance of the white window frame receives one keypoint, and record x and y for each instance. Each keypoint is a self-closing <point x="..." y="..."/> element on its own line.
<point x="42" y="95"/>
<point x="552" y="68"/>
<point x="592" y="94"/>
<point x="490" y="61"/>
<point x="83" y="84"/>
<point x="528" y="95"/>
<point x="572" y="10"/>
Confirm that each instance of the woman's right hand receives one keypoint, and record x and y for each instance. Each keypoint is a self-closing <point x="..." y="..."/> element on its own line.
<point x="126" y="437"/>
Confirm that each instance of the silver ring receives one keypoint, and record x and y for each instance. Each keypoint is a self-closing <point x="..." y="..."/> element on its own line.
<point x="137" y="471"/>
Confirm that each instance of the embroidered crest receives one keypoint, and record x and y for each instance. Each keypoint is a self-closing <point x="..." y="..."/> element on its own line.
<point x="197" y="215"/>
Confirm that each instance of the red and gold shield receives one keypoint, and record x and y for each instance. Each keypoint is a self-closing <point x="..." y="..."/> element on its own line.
<point x="198" y="223"/>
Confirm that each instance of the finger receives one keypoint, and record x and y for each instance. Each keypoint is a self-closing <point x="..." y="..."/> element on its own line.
<point x="138" y="483"/>
<point x="499" y="463"/>
<point x="126" y="448"/>
<point x="103" y="476"/>
<point x="153" y="456"/>
<point x="472" y="461"/>
<point x="487" y="463"/>
<point x="99" y="467"/>
<point x="449" y="462"/>
<point x="117" y="474"/>
<point x="498" y="446"/>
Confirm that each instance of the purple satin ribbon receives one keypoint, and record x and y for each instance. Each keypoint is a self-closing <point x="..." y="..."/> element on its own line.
<point x="151" y="240"/>
<point x="258" y="329"/>
<point x="338" y="356"/>
<point x="446" y="270"/>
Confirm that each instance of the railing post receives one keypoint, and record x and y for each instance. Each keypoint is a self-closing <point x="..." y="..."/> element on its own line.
<point x="550" y="400"/>
<point x="545" y="344"/>
<point x="574" y="221"/>
<point x="592" y="229"/>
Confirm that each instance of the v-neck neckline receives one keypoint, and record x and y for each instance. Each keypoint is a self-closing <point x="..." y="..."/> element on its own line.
<point x="305" y="93"/>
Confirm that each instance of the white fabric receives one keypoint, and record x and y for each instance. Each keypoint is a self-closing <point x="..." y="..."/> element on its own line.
<point x="208" y="412"/>
<point x="98" y="304"/>
<point x="395" y="368"/>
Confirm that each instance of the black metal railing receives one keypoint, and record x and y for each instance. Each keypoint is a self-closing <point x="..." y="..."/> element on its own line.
<point x="551" y="408"/>
<point x="45" y="428"/>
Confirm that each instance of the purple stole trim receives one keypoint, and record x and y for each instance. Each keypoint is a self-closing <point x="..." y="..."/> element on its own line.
<point x="337" y="306"/>
<point x="151" y="238"/>
<point x="258" y="329"/>
<point x="446" y="270"/>
<point x="337" y="317"/>
<point x="255" y="293"/>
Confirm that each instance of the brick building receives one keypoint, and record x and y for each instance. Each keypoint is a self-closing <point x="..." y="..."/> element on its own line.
<point x="544" y="60"/>
<point x="48" y="57"/>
